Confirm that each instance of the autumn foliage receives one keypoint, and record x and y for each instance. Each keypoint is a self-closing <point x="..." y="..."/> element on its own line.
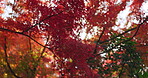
<point x="43" y="39"/>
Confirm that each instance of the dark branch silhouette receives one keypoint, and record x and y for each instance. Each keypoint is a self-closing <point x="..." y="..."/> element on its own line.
<point x="41" y="21"/>
<point x="95" y="50"/>
<point x="138" y="27"/>
<point x="118" y="35"/>
<point x="123" y="32"/>
<point x="6" y="59"/>
<point x="3" y="29"/>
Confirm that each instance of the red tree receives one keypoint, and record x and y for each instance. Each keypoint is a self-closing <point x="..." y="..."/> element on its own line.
<point x="42" y="37"/>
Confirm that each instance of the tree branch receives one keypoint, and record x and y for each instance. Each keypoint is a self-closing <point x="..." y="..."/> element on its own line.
<point x="124" y="32"/>
<point x="43" y="49"/>
<point x="127" y="39"/>
<point x="3" y="29"/>
<point x="95" y="50"/>
<point x="6" y="59"/>
<point x="118" y="35"/>
<point x="38" y="60"/>
<point x="41" y="21"/>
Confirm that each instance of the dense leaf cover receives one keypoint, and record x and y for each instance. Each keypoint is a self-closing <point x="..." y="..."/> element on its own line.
<point x="43" y="39"/>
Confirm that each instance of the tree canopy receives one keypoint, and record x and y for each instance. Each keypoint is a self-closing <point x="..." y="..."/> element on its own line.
<point x="43" y="38"/>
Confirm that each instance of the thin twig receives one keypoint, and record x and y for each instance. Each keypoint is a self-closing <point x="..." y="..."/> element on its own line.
<point x="6" y="59"/>
<point x="118" y="35"/>
<point x="124" y="32"/>
<point x="41" y="21"/>
<point x="38" y="60"/>
<point x="43" y="49"/>
<point x="3" y="29"/>
<point x="127" y="39"/>
<point x="95" y="50"/>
